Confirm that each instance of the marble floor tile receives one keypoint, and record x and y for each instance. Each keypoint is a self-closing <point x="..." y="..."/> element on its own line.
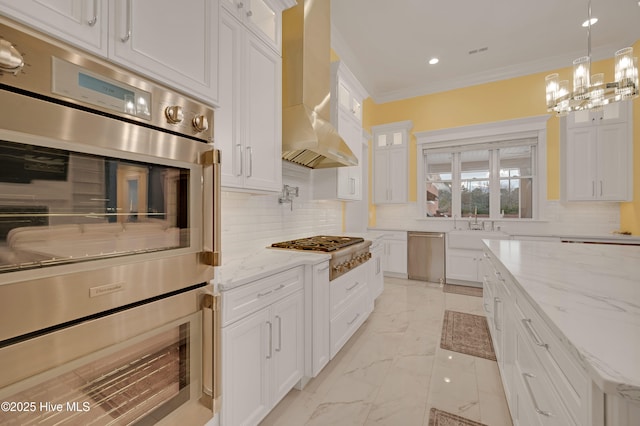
<point x="392" y="371"/>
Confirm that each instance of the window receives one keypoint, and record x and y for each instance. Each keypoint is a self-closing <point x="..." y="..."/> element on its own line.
<point x="474" y="189"/>
<point x="493" y="171"/>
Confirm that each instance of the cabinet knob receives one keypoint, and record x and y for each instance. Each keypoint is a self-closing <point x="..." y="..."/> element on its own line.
<point x="10" y="59"/>
<point x="249" y="14"/>
<point x="174" y="114"/>
<point x="200" y="123"/>
<point x="240" y="5"/>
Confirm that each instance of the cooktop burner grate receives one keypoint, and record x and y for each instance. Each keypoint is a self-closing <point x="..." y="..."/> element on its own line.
<point x="319" y="243"/>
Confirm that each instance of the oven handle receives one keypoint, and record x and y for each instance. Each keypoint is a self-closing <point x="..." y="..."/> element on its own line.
<point x="211" y="159"/>
<point x="211" y="392"/>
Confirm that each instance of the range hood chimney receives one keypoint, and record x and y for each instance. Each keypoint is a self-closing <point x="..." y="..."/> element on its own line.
<point x="308" y="138"/>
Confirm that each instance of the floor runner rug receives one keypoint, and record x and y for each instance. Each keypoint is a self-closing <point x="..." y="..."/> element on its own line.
<point x="442" y="418"/>
<point x="467" y="334"/>
<point x="463" y="289"/>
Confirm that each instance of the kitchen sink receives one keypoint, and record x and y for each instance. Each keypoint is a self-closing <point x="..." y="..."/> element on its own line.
<point x="472" y="240"/>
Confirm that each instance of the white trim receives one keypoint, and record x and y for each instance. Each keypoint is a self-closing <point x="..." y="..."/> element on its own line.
<point x="389" y="127"/>
<point x="494" y="131"/>
<point x="520" y="128"/>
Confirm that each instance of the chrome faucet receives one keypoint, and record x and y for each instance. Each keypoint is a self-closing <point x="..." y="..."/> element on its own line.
<point x="287" y="193"/>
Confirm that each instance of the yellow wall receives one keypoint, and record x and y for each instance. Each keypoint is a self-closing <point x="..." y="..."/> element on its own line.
<point x="503" y="100"/>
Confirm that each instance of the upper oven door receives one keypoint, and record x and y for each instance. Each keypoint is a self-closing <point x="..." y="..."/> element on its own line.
<point x="97" y="213"/>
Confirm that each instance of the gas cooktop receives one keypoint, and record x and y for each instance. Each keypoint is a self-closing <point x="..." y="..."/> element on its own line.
<point x="324" y="243"/>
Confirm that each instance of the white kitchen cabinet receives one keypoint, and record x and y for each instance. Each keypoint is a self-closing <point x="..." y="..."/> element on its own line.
<point x="261" y="17"/>
<point x="343" y="183"/>
<point x="174" y="43"/>
<point x="390" y="160"/>
<point x="463" y="266"/>
<point x="376" y="273"/>
<point x="351" y="305"/>
<point x="246" y="372"/>
<point x="79" y="22"/>
<point x="394" y="253"/>
<point x="317" y="314"/>
<point x="262" y="345"/>
<point x="544" y="384"/>
<point x="248" y="125"/>
<point x="598" y="155"/>
<point x="465" y="258"/>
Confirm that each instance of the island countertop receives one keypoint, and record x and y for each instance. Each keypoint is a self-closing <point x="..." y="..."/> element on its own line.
<point x="589" y="294"/>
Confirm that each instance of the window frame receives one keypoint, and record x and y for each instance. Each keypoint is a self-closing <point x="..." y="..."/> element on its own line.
<point x="454" y="140"/>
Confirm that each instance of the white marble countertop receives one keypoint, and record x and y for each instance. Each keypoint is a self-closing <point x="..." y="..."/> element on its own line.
<point x="590" y="295"/>
<point x="262" y="263"/>
<point x="266" y="261"/>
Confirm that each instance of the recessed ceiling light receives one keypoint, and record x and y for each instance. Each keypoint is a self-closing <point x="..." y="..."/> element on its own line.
<point x="586" y="23"/>
<point x="433" y="61"/>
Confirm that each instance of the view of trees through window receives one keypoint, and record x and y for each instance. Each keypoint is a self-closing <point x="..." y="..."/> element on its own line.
<point x="460" y="183"/>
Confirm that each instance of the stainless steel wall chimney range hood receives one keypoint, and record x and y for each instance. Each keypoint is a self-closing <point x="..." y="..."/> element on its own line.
<point x="308" y="137"/>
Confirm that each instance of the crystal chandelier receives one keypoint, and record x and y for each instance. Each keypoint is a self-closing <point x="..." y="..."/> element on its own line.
<point x="591" y="91"/>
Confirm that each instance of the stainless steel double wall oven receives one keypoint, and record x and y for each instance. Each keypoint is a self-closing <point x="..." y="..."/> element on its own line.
<point x="109" y="234"/>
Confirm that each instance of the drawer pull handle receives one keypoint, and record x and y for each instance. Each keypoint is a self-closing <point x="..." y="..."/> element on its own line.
<point x="270" y="340"/>
<point x="353" y="286"/>
<point x="279" y="348"/>
<point x="536" y="338"/>
<point x="265" y="293"/>
<point x="354" y="319"/>
<point x="496" y="300"/>
<point x="526" y="377"/>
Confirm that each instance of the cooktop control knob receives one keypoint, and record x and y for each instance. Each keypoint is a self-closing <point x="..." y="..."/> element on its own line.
<point x="10" y="59"/>
<point x="200" y="123"/>
<point x="174" y="114"/>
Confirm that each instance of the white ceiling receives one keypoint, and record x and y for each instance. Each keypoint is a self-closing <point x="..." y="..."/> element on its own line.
<point x="387" y="44"/>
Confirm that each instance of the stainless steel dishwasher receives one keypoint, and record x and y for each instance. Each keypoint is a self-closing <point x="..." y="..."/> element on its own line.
<point x="426" y="256"/>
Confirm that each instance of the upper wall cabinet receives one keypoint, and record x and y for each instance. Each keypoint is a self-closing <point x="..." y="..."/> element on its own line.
<point x="248" y="126"/>
<point x="390" y="162"/>
<point x="175" y="43"/>
<point x="597" y="154"/>
<point x="344" y="183"/>
<point x="80" y="22"/>
<point x="262" y="17"/>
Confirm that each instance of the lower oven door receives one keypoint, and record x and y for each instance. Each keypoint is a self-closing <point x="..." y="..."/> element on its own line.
<point x="143" y="365"/>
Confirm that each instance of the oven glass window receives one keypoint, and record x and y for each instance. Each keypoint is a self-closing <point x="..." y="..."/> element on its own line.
<point x="59" y="206"/>
<point x="140" y="383"/>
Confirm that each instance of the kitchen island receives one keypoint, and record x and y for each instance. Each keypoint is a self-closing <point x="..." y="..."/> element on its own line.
<point x="577" y="308"/>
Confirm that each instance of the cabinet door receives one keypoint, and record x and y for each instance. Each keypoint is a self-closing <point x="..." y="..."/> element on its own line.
<point x="462" y="265"/>
<point x="380" y="176"/>
<point x="397" y="175"/>
<point x="79" y="22"/>
<point x="263" y="20"/>
<point x="173" y="42"/>
<point x="288" y="344"/>
<point x="581" y="163"/>
<point x="376" y="276"/>
<point x="397" y="257"/>
<point x="321" y="301"/>
<point x="228" y="127"/>
<point x="245" y="377"/>
<point x="263" y="117"/>
<point x="613" y="159"/>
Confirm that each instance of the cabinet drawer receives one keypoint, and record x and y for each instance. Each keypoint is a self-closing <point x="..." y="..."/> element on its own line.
<point x="399" y="235"/>
<point x="536" y="403"/>
<point x="568" y="378"/>
<point x="248" y="298"/>
<point x="347" y="322"/>
<point x="345" y="288"/>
